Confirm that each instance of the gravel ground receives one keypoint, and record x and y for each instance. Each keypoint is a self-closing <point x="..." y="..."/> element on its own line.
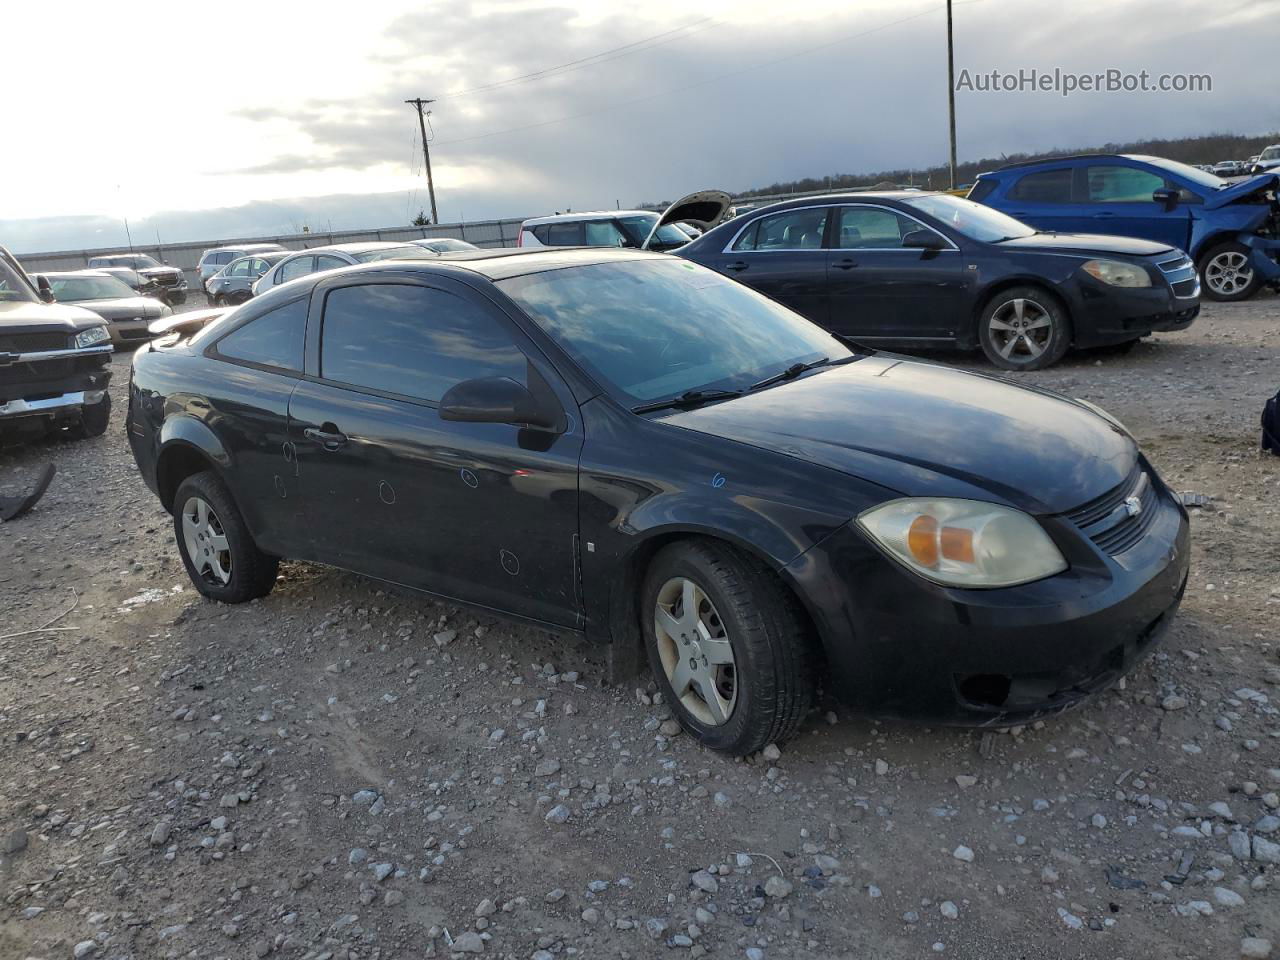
<point x="341" y="772"/>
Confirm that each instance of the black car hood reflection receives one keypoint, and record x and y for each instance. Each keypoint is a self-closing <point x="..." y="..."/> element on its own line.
<point x="1087" y="243"/>
<point x="925" y="430"/>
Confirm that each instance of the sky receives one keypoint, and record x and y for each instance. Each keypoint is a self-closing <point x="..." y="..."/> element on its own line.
<point x="209" y="121"/>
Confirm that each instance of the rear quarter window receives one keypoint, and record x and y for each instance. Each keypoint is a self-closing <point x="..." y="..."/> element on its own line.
<point x="1044" y="186"/>
<point x="274" y="339"/>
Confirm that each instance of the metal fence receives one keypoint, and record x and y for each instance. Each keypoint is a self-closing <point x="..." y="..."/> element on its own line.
<point x="483" y="233"/>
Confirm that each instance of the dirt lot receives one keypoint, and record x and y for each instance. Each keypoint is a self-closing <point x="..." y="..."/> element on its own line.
<point x="336" y="771"/>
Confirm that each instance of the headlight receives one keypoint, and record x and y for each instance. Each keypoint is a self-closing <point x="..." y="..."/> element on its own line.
<point x="87" y="338"/>
<point x="1118" y="274"/>
<point x="964" y="543"/>
<point x="1104" y="415"/>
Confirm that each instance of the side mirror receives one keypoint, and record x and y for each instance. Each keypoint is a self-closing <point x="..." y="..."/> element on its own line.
<point x="496" y="400"/>
<point x="1166" y="196"/>
<point x="42" y="286"/>
<point x="923" y="240"/>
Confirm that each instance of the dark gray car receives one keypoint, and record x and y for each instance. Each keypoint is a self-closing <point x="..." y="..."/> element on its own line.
<point x="234" y="283"/>
<point x="170" y="284"/>
<point x="126" y="313"/>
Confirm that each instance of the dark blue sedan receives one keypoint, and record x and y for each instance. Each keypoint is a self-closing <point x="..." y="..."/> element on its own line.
<point x="931" y="270"/>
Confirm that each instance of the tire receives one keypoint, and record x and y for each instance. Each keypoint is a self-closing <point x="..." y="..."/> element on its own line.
<point x="765" y="690"/>
<point x="237" y="298"/>
<point x="1024" y="328"/>
<point x="1226" y="275"/>
<point x="221" y="558"/>
<point x="93" y="420"/>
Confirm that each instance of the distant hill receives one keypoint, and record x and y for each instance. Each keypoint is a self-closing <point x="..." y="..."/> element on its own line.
<point x="1210" y="148"/>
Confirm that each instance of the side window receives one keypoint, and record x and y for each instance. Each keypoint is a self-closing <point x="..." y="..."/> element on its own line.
<point x="274" y="339"/>
<point x="792" y="230"/>
<point x="564" y="234"/>
<point x="223" y="258"/>
<point x="604" y="233"/>
<point x="410" y="340"/>
<point x="543" y="232"/>
<point x="292" y="269"/>
<point x="1122" y="185"/>
<point x="872" y="227"/>
<point x="1047" y="186"/>
<point x="241" y="269"/>
<point x="326" y="262"/>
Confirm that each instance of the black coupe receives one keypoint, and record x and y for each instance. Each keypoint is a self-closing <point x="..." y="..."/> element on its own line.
<point x="630" y="446"/>
<point x="932" y="270"/>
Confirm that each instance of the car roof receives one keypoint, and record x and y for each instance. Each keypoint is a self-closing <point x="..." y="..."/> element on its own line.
<point x="503" y="263"/>
<point x="233" y="247"/>
<point x="360" y="247"/>
<point x="120" y="256"/>
<point x="586" y="215"/>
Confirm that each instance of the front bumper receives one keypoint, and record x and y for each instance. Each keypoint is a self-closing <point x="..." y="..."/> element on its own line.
<point x="1108" y="314"/>
<point x="128" y="332"/>
<point x="898" y="645"/>
<point x="50" y="406"/>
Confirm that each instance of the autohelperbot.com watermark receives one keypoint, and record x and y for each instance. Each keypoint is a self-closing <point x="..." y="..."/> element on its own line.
<point x="1066" y="82"/>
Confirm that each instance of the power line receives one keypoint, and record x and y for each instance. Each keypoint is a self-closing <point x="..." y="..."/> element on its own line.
<point x="604" y="56"/>
<point x="712" y="79"/>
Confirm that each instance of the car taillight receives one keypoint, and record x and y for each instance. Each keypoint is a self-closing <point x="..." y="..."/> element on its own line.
<point x="520" y="237"/>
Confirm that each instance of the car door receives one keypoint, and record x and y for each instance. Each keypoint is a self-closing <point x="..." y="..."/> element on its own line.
<point x="1120" y="202"/>
<point x="481" y="512"/>
<point x="880" y="289"/>
<point x="1045" y="199"/>
<point x="248" y="408"/>
<point x="240" y="275"/>
<point x="782" y="256"/>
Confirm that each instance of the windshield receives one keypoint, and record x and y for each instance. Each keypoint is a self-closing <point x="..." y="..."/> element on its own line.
<point x="1271" y="153"/>
<point x="1187" y="172"/>
<point x="14" y="289"/>
<point x="638" y="227"/>
<point x="652" y="329"/>
<point x="447" y="245"/>
<point x="407" y="252"/>
<point x="974" y="220"/>
<point x="71" y="289"/>
<point x="133" y="263"/>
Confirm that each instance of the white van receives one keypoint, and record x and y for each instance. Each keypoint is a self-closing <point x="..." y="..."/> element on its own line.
<point x="627" y="228"/>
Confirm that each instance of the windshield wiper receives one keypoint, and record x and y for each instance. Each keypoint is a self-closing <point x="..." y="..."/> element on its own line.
<point x="790" y="373"/>
<point x="687" y="399"/>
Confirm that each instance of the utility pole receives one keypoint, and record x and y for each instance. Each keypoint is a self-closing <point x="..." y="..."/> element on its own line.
<point x="951" y="93"/>
<point x="426" y="152"/>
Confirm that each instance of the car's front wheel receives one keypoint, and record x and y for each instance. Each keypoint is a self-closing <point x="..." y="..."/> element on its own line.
<point x="1024" y="328"/>
<point x="216" y="547"/>
<point x="1227" y="273"/>
<point x="728" y="645"/>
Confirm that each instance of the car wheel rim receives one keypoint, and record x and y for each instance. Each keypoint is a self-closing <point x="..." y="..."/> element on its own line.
<point x="1228" y="273"/>
<point x="206" y="542"/>
<point x="696" y="654"/>
<point x="1020" y="330"/>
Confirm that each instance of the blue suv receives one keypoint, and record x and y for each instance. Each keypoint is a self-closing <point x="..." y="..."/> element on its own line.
<point x="1231" y="230"/>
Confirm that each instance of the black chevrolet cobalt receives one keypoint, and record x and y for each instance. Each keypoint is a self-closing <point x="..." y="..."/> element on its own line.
<point x="633" y="447"/>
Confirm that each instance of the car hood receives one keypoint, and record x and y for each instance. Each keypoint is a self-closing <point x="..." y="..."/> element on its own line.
<point x="926" y="430"/>
<point x="158" y="271"/>
<point x="124" y="308"/>
<point x="1243" y="190"/>
<point x="45" y="318"/>
<point x="1085" y="243"/>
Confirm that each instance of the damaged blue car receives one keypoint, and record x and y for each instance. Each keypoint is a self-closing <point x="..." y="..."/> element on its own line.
<point x="1230" y="229"/>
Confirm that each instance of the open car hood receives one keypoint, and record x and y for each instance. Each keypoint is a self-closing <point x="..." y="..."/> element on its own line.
<point x="703" y="209"/>
<point x="1242" y="190"/>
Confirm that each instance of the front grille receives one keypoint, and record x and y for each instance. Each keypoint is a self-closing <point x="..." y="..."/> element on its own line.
<point x="166" y="279"/>
<point x="1180" y="262"/>
<point x="1184" y="288"/>
<point x="31" y="342"/>
<point x="1110" y="523"/>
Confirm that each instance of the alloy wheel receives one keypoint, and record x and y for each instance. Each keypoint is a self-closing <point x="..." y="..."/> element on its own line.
<point x="206" y="542"/>
<point x="1228" y="273"/>
<point x="1021" y="330"/>
<point x="696" y="654"/>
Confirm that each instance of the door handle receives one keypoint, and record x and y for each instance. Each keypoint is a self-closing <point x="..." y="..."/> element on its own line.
<point x="327" y="435"/>
<point x="736" y="265"/>
<point x="845" y="264"/>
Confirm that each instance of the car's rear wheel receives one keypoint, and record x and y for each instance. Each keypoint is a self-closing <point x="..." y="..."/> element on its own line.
<point x="728" y="645"/>
<point x="1227" y="274"/>
<point x="237" y="298"/>
<point x="1024" y="328"/>
<point x="219" y="553"/>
